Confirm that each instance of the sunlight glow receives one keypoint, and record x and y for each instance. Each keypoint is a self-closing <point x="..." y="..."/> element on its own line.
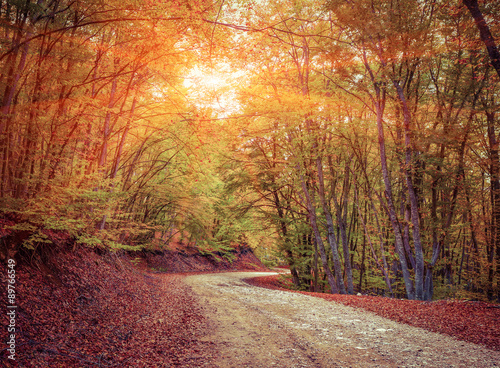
<point x="214" y="88"/>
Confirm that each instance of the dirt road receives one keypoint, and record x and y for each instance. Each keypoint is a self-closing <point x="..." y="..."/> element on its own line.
<point x="256" y="327"/>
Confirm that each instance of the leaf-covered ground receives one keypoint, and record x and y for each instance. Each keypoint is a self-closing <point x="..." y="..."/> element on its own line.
<point x="475" y="322"/>
<point x="97" y="311"/>
<point x="83" y="308"/>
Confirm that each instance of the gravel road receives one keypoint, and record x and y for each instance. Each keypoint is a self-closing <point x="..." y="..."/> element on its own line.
<point x="256" y="327"/>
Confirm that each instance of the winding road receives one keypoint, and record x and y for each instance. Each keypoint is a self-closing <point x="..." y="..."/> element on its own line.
<point x="257" y="327"/>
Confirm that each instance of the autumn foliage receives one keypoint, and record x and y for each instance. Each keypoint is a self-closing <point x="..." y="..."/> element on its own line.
<point x="355" y="141"/>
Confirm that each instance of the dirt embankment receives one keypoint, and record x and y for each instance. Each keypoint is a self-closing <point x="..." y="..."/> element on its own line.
<point x="187" y="259"/>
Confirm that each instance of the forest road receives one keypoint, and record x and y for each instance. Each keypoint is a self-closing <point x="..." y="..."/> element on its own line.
<point x="257" y="327"/>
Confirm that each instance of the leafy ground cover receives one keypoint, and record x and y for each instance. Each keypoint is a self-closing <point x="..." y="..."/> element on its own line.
<point x="475" y="322"/>
<point x="90" y="310"/>
<point x="78" y="307"/>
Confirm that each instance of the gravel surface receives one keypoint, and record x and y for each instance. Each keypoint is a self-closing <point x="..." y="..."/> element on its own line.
<point x="258" y="327"/>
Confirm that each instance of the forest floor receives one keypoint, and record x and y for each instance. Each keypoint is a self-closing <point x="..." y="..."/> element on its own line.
<point x="78" y="308"/>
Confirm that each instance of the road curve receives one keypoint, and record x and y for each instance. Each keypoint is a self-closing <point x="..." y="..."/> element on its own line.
<point x="257" y="327"/>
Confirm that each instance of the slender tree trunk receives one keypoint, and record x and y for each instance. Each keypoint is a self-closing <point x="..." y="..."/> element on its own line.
<point x="392" y="212"/>
<point x="332" y="239"/>
<point x="377" y="223"/>
<point x="494" y="254"/>
<point x="106" y="133"/>
<point x="415" y="217"/>
<point x="107" y="121"/>
<point x="116" y="163"/>
<point x="286" y="240"/>
<point x="464" y="242"/>
<point x="379" y="103"/>
<point x="382" y="267"/>
<point x="315" y="267"/>
<point x="362" y="267"/>
<point x="341" y="220"/>
<point x="12" y="79"/>
<point x="311" y="210"/>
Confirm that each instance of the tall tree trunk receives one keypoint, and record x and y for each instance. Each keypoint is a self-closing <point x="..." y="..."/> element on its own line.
<point x="379" y="103"/>
<point x="382" y="267"/>
<point x="415" y="217"/>
<point x="311" y="210"/>
<point x="107" y="121"/>
<point x="438" y="242"/>
<point x="286" y="240"/>
<point x="410" y="292"/>
<point x="116" y="163"/>
<point x="494" y="54"/>
<point x="12" y="78"/>
<point x="106" y="133"/>
<point x="341" y="220"/>
<point x="362" y="267"/>
<point x="382" y="242"/>
<point x="315" y="280"/>
<point x="332" y="239"/>
<point x="495" y="206"/>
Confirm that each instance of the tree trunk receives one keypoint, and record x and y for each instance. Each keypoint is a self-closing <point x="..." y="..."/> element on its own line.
<point x="379" y="103"/>
<point x="118" y="155"/>
<point x="311" y="210"/>
<point x="13" y="75"/>
<point x="415" y="217"/>
<point x="284" y="234"/>
<point x="495" y="206"/>
<point x="107" y="121"/>
<point x="382" y="267"/>
<point x="341" y="220"/>
<point x="332" y="239"/>
<point x="362" y="266"/>
<point x="315" y="267"/>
